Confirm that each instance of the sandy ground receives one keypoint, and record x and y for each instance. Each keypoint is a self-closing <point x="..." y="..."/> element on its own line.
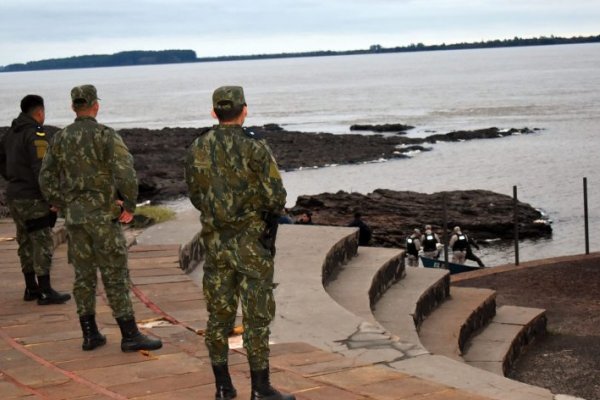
<point x="567" y="359"/>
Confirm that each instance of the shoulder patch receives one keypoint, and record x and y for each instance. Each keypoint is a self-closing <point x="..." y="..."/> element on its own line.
<point x="249" y="133"/>
<point x="40" y="148"/>
<point x="41" y="134"/>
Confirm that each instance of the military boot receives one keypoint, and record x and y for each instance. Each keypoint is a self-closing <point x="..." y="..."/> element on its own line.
<point x="32" y="290"/>
<point x="262" y="389"/>
<point x="49" y="295"/>
<point x="225" y="389"/>
<point x="92" y="338"/>
<point x="133" y="339"/>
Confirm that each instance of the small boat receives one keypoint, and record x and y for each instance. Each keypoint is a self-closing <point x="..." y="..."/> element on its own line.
<point x="452" y="267"/>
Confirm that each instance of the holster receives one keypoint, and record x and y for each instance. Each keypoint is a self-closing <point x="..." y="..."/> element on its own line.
<point x="269" y="234"/>
<point x="36" y="224"/>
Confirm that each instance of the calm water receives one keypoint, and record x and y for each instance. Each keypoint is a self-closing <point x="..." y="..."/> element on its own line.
<point x="556" y="88"/>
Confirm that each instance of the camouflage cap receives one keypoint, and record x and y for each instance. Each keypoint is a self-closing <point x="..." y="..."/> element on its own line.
<point x="84" y="93"/>
<point x="228" y="97"/>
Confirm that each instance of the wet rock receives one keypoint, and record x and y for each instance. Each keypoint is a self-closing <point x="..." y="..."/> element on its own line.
<point x="158" y="153"/>
<point x="398" y="128"/>
<point x="394" y="214"/>
<point x="489" y="133"/>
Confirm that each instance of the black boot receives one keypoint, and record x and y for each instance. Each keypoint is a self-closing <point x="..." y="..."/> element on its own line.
<point x="49" y="295"/>
<point x="225" y="389"/>
<point x="262" y="389"/>
<point x="92" y="338"/>
<point x="133" y="339"/>
<point x="32" y="290"/>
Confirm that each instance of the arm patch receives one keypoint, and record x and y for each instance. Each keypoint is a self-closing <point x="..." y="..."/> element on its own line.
<point x="40" y="148"/>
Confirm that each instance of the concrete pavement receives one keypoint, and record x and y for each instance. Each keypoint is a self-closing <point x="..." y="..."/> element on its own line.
<point x="41" y="357"/>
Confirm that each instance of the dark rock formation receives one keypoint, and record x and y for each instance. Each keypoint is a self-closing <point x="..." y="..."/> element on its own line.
<point x="489" y="133"/>
<point x="393" y="215"/>
<point x="158" y="153"/>
<point x="398" y="128"/>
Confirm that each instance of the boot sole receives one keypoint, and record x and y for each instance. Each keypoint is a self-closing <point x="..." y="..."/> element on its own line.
<point x="48" y="302"/>
<point x="230" y="396"/>
<point x="132" y="349"/>
<point x="92" y="347"/>
<point x="45" y="302"/>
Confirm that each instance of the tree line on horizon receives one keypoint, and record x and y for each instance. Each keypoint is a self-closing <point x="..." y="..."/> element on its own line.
<point x="124" y="58"/>
<point x="142" y="57"/>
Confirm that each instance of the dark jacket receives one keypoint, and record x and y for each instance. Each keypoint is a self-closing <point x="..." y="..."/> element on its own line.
<point x="364" y="232"/>
<point x="22" y="149"/>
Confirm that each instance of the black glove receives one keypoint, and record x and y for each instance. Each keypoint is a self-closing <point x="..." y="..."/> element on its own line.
<point x="269" y="234"/>
<point x="47" y="221"/>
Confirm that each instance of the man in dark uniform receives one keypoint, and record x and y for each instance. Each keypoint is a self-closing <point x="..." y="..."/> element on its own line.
<point x="364" y="231"/>
<point x="470" y="255"/>
<point x="458" y="244"/>
<point x="234" y="181"/>
<point x="430" y="242"/>
<point x="413" y="246"/>
<point x="22" y="150"/>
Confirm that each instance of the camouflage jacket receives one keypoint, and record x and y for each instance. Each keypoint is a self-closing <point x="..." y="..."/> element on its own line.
<point x="86" y="169"/>
<point x="232" y="179"/>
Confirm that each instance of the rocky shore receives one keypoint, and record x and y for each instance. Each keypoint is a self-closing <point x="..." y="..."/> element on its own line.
<point x="392" y="215"/>
<point x="158" y="153"/>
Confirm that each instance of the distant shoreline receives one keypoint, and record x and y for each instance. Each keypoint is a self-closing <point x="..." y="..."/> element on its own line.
<point x="139" y="57"/>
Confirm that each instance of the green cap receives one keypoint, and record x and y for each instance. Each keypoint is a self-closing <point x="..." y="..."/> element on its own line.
<point x="228" y="97"/>
<point x="84" y="94"/>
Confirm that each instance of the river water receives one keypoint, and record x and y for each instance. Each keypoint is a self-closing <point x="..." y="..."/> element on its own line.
<point x="555" y="88"/>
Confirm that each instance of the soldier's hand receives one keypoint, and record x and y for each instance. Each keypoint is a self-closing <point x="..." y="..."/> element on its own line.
<point x="125" y="217"/>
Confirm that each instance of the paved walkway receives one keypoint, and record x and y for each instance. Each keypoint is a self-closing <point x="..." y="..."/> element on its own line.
<point x="41" y="357"/>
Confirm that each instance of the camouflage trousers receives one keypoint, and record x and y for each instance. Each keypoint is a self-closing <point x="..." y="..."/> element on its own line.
<point x="100" y="246"/>
<point x="35" y="248"/>
<point x="238" y="268"/>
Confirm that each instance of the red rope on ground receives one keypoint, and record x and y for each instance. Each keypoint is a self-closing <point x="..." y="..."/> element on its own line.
<point x="156" y="309"/>
<point x="71" y="375"/>
<point x="24" y="386"/>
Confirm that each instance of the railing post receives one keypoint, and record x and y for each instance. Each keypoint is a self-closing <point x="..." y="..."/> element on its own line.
<point x="516" y="223"/>
<point x="445" y="223"/>
<point x="586" y="217"/>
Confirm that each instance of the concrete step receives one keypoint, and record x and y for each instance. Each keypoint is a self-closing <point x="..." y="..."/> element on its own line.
<point x="446" y="331"/>
<point x="308" y="257"/>
<point x="305" y="256"/>
<point x="406" y="303"/>
<point x="470" y="379"/>
<point x="358" y="284"/>
<point x="499" y="344"/>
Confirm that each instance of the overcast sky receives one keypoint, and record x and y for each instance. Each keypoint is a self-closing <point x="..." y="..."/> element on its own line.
<point x="39" y="29"/>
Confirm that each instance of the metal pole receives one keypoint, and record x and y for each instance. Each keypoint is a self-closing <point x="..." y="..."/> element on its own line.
<point x="585" y="213"/>
<point x="445" y="238"/>
<point x="516" y="223"/>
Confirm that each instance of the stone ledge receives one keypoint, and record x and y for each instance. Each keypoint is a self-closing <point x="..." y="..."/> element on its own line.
<point x="457" y="374"/>
<point x="358" y="284"/>
<point x="431" y="299"/>
<point x="447" y="329"/>
<point x="411" y="299"/>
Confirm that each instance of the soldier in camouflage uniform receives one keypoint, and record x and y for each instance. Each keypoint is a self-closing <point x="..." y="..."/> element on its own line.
<point x="89" y="173"/>
<point x="234" y="181"/>
<point x="21" y="152"/>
